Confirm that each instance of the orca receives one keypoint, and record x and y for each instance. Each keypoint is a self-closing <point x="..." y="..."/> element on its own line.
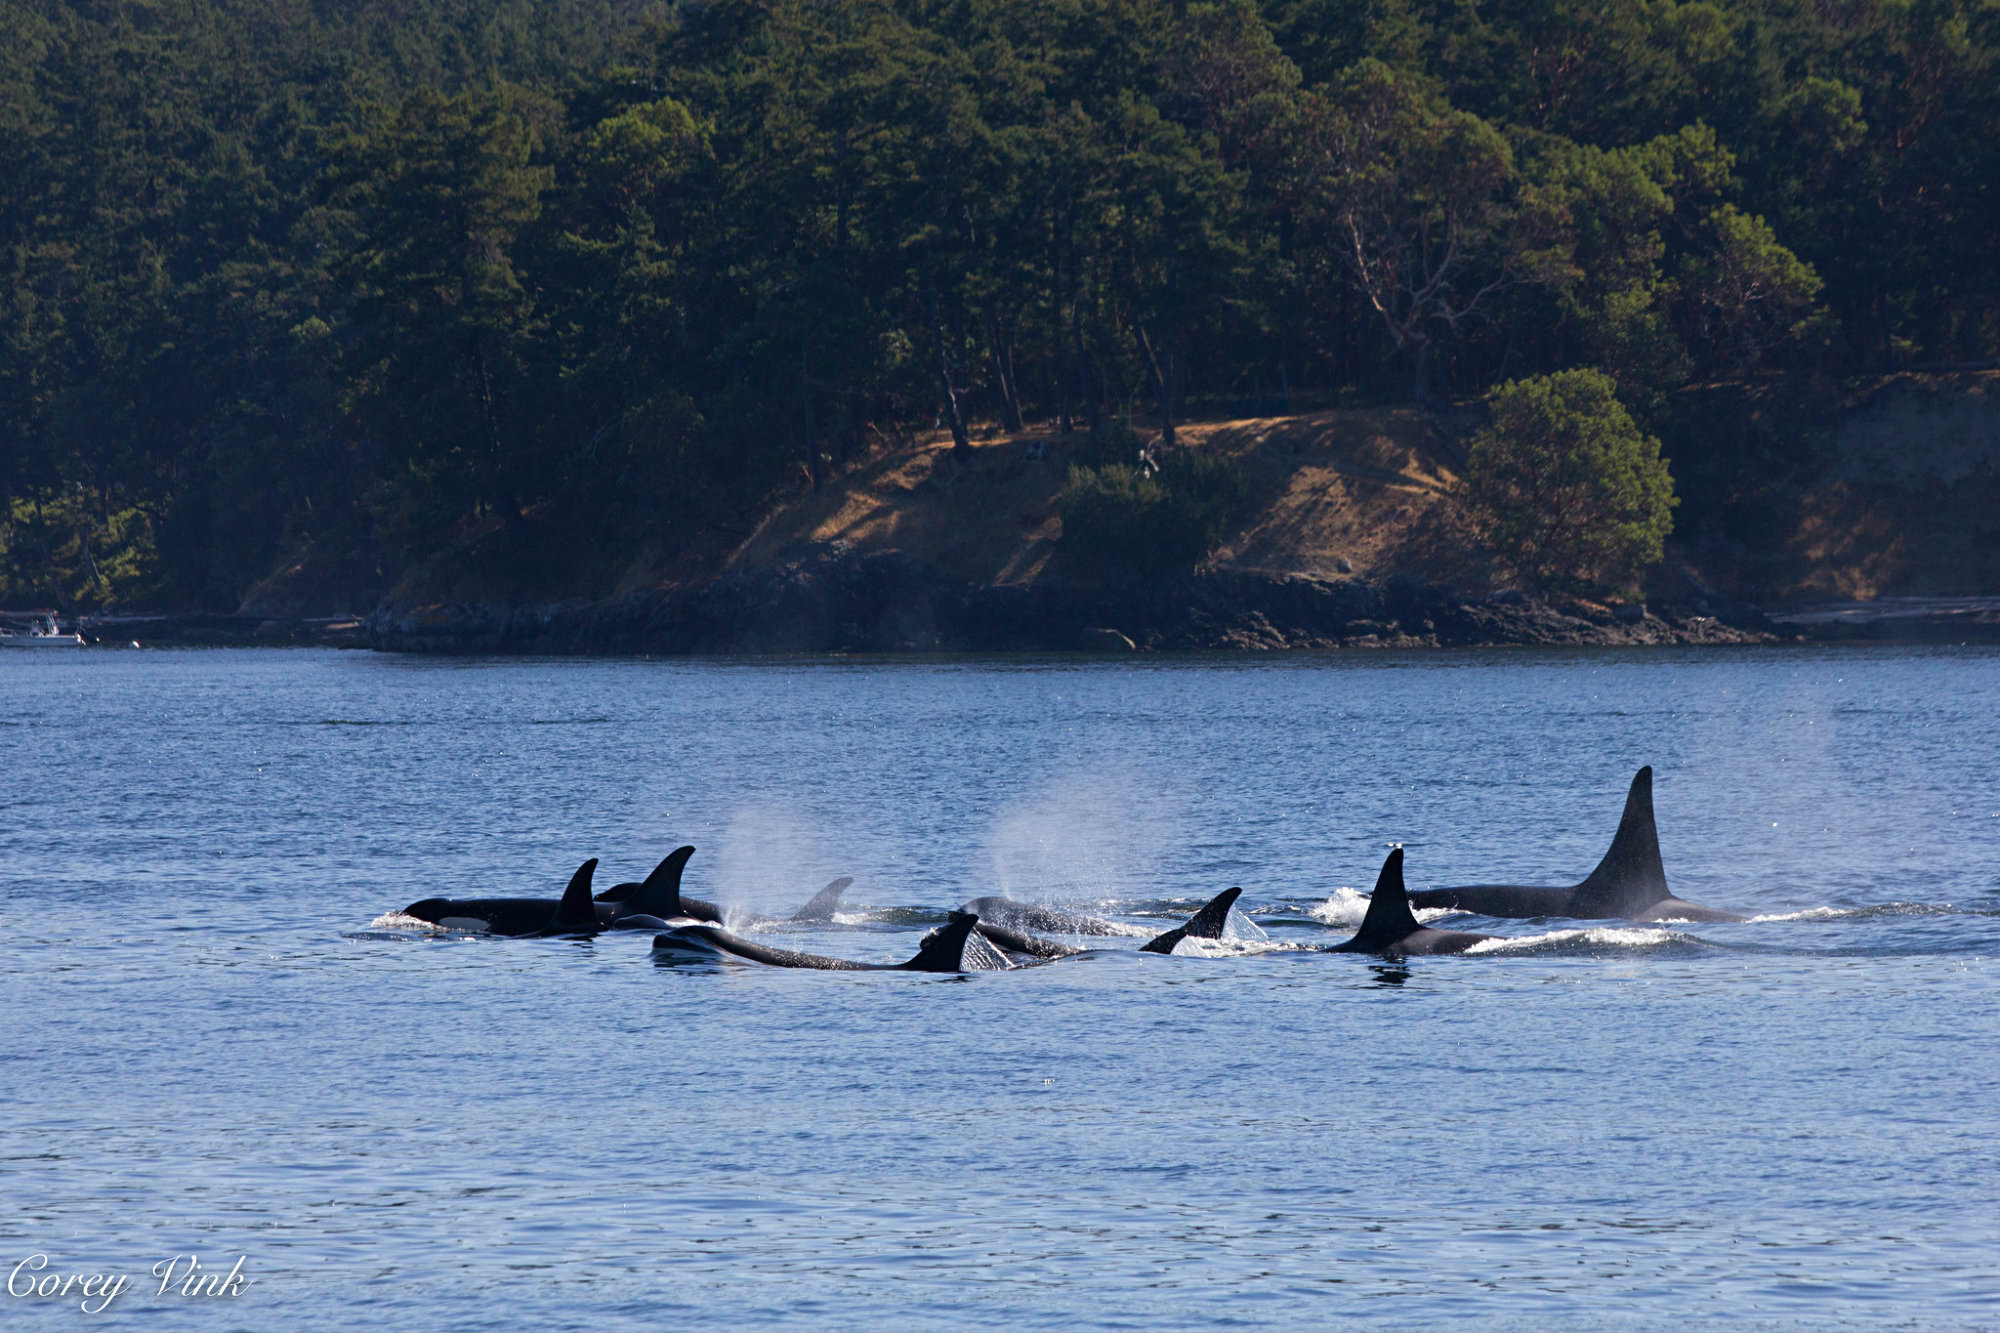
<point x="573" y="913"/>
<point x="1207" y="924"/>
<point x="576" y="912"/>
<point x="825" y="903"/>
<point x="1013" y="915"/>
<point x="1391" y="929"/>
<point x="949" y="948"/>
<point x="1630" y="882"/>
<point x="1028" y="946"/>
<point x="820" y="909"/>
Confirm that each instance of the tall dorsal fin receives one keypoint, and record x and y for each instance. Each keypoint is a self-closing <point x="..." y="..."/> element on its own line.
<point x="1389" y="916"/>
<point x="1206" y="924"/>
<point x="824" y="902"/>
<point x="577" y="910"/>
<point x="943" y="950"/>
<point x="660" y="894"/>
<point x="1630" y="878"/>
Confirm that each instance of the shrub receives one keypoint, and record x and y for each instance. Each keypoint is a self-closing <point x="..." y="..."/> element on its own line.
<point x="1122" y="519"/>
<point x="1566" y="486"/>
<point x="1109" y="441"/>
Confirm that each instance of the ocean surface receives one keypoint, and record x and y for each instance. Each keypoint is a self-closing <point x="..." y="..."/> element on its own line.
<point x="220" y="1043"/>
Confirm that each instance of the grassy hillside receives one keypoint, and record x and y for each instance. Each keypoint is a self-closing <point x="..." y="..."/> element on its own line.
<point x="1355" y="493"/>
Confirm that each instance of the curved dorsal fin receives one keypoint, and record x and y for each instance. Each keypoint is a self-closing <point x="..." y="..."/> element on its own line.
<point x="1389" y="916"/>
<point x="943" y="950"/>
<point x="1630" y="878"/>
<point x="577" y="910"/>
<point x="1207" y="924"/>
<point x="660" y="894"/>
<point x="824" y="902"/>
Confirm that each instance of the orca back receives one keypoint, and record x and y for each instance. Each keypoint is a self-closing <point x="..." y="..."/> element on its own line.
<point x="498" y="916"/>
<point x="1389" y="917"/>
<point x="943" y="950"/>
<point x="824" y="903"/>
<point x="660" y="894"/>
<point x="1020" y="942"/>
<point x="1207" y="924"/>
<point x="1630" y="878"/>
<point x="1035" y="916"/>
<point x="577" y="910"/>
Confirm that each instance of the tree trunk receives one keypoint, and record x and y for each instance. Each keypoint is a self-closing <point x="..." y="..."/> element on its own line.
<point x="812" y="430"/>
<point x="1054" y="386"/>
<point x="504" y="497"/>
<point x="840" y="193"/>
<point x="1163" y="391"/>
<point x="1003" y="375"/>
<point x="1063" y="266"/>
<point x="961" y="444"/>
<point x="1092" y="409"/>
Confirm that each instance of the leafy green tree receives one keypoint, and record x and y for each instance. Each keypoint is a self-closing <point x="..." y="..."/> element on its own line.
<point x="1415" y="199"/>
<point x="1567" y="488"/>
<point x="445" y="322"/>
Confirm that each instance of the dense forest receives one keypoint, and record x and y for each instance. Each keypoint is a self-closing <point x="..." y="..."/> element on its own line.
<point x="298" y="279"/>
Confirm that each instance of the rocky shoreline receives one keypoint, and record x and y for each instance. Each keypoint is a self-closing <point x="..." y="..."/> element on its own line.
<point x="834" y="599"/>
<point x="212" y="629"/>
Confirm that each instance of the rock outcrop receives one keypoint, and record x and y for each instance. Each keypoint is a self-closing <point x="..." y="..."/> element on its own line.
<point x="831" y="597"/>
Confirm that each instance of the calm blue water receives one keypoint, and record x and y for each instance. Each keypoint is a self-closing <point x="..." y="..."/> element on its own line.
<point x="1789" y="1123"/>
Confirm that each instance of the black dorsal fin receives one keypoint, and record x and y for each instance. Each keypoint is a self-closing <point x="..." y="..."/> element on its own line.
<point x="824" y="902"/>
<point x="1389" y="916"/>
<point x="660" y="894"/>
<point x="943" y="950"/>
<point x="577" y="910"/>
<point x="1630" y="878"/>
<point x="1207" y="924"/>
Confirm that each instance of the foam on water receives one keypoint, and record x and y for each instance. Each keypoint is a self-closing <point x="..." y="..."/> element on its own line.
<point x="1604" y="937"/>
<point x="1193" y="947"/>
<point x="399" y="920"/>
<point x="1347" y="907"/>
<point x="1241" y="928"/>
<point x="1810" y="914"/>
<point x="1344" y="908"/>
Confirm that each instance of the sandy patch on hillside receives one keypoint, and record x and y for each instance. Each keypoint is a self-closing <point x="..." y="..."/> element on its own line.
<point x="1340" y="493"/>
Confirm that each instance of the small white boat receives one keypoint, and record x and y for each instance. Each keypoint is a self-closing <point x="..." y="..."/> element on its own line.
<point x="42" y="633"/>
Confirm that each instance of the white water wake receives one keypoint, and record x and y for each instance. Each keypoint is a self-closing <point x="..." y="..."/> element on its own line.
<point x="1193" y="947"/>
<point x="402" y="921"/>
<point x="1613" y="937"/>
<point x="1347" y="907"/>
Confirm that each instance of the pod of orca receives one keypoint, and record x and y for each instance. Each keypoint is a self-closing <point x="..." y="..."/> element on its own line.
<point x="995" y="933"/>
